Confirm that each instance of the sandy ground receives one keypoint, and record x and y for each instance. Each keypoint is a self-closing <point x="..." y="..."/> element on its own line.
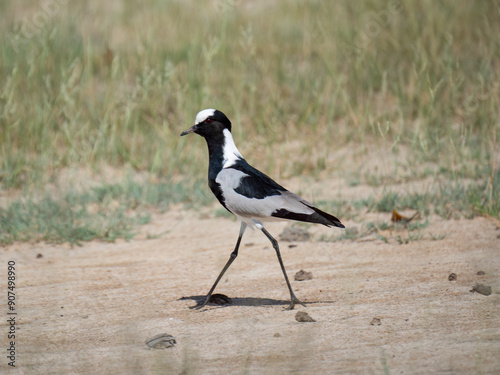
<point x="89" y="309"/>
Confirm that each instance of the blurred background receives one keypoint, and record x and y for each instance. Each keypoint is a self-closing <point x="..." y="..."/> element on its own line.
<point x="94" y="95"/>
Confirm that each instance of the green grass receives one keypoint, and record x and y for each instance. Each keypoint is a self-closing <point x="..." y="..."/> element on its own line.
<point x="106" y="212"/>
<point x="449" y="200"/>
<point x="477" y="198"/>
<point x="87" y="86"/>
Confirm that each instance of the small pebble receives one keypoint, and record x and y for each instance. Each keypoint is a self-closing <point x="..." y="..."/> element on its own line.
<point x="303" y="317"/>
<point x="485" y="290"/>
<point x="376" y="322"/>
<point x="303" y="275"/>
<point x="481" y="273"/>
<point x="452" y="277"/>
<point x="161" y="341"/>
<point x="38" y="256"/>
<point x="294" y="234"/>
<point x="277" y="334"/>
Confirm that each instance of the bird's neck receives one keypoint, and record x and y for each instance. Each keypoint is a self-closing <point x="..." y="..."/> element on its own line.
<point x="222" y="153"/>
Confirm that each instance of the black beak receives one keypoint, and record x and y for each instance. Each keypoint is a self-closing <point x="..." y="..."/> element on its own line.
<point x="190" y="130"/>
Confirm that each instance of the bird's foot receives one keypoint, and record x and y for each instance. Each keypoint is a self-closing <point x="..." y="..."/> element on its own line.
<point x="217" y="298"/>
<point x="293" y="301"/>
<point x="200" y="304"/>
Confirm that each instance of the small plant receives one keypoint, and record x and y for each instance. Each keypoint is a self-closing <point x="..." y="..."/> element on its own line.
<point x="437" y="237"/>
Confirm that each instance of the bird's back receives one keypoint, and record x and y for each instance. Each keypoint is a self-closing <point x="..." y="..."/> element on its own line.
<point x="249" y="193"/>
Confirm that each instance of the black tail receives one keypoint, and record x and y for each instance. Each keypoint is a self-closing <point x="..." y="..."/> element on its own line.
<point x="332" y="220"/>
<point x="318" y="216"/>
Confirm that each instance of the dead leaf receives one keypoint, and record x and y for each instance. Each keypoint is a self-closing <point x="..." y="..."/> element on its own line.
<point x="398" y="218"/>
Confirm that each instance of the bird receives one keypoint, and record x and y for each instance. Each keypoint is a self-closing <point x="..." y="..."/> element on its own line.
<point x="246" y="192"/>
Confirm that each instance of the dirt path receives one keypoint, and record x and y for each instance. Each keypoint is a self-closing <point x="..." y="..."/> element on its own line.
<point x="89" y="309"/>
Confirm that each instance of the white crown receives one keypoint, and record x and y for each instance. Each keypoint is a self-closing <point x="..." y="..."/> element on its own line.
<point x="203" y="115"/>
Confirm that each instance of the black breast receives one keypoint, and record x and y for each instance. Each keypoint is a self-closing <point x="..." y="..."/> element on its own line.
<point x="215" y="187"/>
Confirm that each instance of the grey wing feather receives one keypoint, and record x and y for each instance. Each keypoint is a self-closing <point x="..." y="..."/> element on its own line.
<point x="285" y="205"/>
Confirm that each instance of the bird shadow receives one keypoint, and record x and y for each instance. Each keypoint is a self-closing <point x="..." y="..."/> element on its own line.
<point x="245" y="301"/>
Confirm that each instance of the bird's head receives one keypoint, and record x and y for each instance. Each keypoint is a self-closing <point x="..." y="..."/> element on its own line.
<point x="209" y="122"/>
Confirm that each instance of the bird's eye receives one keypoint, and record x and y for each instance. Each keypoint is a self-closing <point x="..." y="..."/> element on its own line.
<point x="208" y="120"/>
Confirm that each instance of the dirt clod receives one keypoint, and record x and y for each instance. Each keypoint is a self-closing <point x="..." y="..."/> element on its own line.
<point x="376" y="322"/>
<point x="303" y="275"/>
<point x="294" y="234"/>
<point x="161" y="341"/>
<point x="277" y="334"/>
<point x="481" y="273"/>
<point x="452" y="277"/>
<point x="39" y="255"/>
<point x="485" y="290"/>
<point x="303" y="317"/>
<point x="220" y="299"/>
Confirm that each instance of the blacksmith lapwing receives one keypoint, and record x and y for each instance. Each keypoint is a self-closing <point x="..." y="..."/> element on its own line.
<point x="248" y="193"/>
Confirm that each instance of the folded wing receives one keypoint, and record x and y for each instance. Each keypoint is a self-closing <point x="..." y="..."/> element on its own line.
<point x="250" y="193"/>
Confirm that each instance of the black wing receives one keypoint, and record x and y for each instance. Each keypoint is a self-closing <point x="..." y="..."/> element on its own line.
<point x="256" y="184"/>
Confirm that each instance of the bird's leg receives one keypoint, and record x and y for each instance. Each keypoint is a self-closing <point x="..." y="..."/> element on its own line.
<point x="232" y="257"/>
<point x="293" y="299"/>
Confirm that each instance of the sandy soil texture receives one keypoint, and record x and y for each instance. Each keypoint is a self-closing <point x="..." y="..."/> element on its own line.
<point x="378" y="307"/>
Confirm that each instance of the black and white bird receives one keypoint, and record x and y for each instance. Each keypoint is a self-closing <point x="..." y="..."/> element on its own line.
<point x="248" y="193"/>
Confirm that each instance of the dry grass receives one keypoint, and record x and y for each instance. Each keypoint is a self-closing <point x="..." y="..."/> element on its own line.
<point x="91" y="84"/>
